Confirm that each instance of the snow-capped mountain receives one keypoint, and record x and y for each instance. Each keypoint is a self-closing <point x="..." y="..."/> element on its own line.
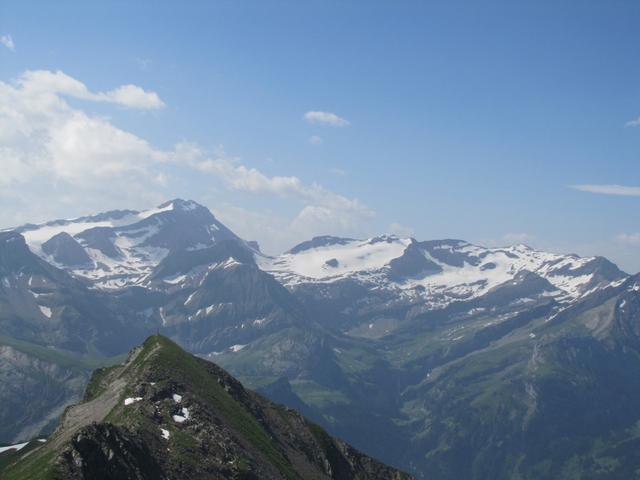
<point x="180" y="251"/>
<point x="174" y="243"/>
<point x="41" y="303"/>
<point x="440" y="271"/>
<point x="353" y="331"/>
<point x="121" y="248"/>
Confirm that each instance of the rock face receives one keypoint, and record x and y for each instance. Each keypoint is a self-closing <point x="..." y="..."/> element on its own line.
<point x="165" y="414"/>
<point x="65" y="250"/>
<point x="34" y="392"/>
<point x="42" y="304"/>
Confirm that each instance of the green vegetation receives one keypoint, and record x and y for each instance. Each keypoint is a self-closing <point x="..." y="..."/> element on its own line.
<point x="170" y="360"/>
<point x="9" y="457"/>
<point x="98" y="382"/>
<point x="326" y="443"/>
<point x="38" y="465"/>
<point x="317" y="395"/>
<point x="60" y="357"/>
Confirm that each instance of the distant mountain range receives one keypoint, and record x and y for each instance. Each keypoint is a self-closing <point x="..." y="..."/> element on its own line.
<point x="447" y="359"/>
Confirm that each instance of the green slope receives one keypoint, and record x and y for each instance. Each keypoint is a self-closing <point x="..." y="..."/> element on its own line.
<point x="228" y="432"/>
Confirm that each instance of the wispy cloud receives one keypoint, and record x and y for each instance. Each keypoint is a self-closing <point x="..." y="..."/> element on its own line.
<point x="326" y="118"/>
<point x="315" y="140"/>
<point x="59" y="83"/>
<point x="623" y="190"/>
<point x="236" y="176"/>
<point x="7" y="41"/>
<point x="633" y="123"/>
<point x="632" y="239"/>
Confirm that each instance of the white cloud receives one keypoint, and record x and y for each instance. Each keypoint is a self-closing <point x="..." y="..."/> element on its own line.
<point x="55" y="155"/>
<point x="7" y="41"/>
<point x="315" y="140"/>
<point x="314" y="219"/>
<point x="44" y="82"/>
<point x="277" y="233"/>
<point x="88" y="147"/>
<point x="632" y="239"/>
<point x="41" y="134"/>
<point x="609" y="189"/>
<point x="240" y="177"/>
<point x="134" y="96"/>
<point x="400" y="230"/>
<point x="513" y="238"/>
<point x="633" y="123"/>
<point x="338" y="171"/>
<point x="326" y="118"/>
<point x="270" y="229"/>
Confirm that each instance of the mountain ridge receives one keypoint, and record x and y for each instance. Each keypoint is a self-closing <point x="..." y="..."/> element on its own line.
<point x="167" y="414"/>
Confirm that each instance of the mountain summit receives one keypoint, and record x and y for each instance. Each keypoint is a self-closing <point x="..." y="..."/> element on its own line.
<point x="121" y="248"/>
<point x="165" y="414"/>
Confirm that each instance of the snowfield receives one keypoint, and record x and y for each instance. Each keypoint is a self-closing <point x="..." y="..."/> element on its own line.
<point x="465" y="270"/>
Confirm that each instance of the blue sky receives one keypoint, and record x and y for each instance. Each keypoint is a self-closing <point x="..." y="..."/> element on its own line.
<point x="461" y="119"/>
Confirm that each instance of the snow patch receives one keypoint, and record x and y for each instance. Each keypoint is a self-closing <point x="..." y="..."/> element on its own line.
<point x="182" y="418"/>
<point x="175" y="279"/>
<point x="190" y="298"/>
<point x="230" y="262"/>
<point x="130" y="400"/>
<point x="17" y="446"/>
<point x="353" y="256"/>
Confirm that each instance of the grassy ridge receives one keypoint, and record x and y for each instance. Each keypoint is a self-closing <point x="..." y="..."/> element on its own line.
<point x="192" y="371"/>
<point x="60" y="357"/>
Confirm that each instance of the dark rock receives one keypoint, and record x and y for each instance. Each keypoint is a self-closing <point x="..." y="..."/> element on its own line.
<point x="65" y="250"/>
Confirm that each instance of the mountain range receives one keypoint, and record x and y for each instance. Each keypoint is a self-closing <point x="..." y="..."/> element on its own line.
<point x="446" y="359"/>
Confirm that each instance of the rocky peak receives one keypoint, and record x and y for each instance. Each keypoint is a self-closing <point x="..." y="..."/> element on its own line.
<point x="15" y="256"/>
<point x="65" y="250"/>
<point x="320" y="241"/>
